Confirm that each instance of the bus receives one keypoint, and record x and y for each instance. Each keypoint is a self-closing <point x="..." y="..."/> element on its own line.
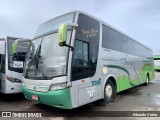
<point x="10" y="70"/>
<point x="157" y="62"/>
<point x="75" y="59"/>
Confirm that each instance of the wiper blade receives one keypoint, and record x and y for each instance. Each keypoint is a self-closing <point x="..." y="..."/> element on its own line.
<point x="32" y="62"/>
<point x="35" y="61"/>
<point x="29" y="64"/>
<point x="37" y="56"/>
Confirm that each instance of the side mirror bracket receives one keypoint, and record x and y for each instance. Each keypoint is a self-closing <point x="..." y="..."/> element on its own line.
<point x="72" y="48"/>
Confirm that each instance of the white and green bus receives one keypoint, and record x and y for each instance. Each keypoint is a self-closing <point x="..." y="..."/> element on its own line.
<point x="11" y="70"/>
<point x="157" y="62"/>
<point x="75" y="59"/>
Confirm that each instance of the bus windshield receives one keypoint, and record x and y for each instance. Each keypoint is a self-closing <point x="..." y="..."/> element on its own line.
<point x="51" y="60"/>
<point x="47" y="59"/>
<point x="53" y="24"/>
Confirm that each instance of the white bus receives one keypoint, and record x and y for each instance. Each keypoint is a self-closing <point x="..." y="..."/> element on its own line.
<point x="10" y="73"/>
<point x="76" y="59"/>
<point x="157" y="62"/>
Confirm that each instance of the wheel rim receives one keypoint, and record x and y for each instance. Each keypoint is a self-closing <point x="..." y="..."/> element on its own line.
<point x="108" y="91"/>
<point x="147" y="80"/>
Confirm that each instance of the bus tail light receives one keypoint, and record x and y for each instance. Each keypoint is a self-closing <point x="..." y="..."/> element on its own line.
<point x="60" y="86"/>
<point x="13" y="80"/>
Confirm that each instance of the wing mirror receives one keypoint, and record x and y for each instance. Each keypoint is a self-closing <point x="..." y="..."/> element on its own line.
<point x="62" y="34"/>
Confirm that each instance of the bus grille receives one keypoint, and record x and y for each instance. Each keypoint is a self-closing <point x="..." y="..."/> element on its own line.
<point x="40" y="88"/>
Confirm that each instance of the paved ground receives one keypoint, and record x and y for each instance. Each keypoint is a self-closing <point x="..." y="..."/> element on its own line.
<point x="141" y="98"/>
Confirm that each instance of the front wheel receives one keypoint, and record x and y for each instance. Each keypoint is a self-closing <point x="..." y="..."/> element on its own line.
<point x="147" y="80"/>
<point x="109" y="91"/>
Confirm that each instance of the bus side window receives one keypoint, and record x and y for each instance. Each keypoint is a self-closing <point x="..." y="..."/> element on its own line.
<point x="80" y="62"/>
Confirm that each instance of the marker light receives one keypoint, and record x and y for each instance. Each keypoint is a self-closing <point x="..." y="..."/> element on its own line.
<point x="14" y="80"/>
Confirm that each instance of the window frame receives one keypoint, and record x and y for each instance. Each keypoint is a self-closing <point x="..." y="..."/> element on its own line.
<point x="87" y="67"/>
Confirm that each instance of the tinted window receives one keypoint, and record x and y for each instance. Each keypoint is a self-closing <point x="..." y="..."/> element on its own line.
<point x="116" y="41"/>
<point x="80" y="54"/>
<point x="126" y="43"/>
<point x="80" y="63"/>
<point x="88" y="32"/>
<point x="138" y="49"/>
<point x="111" y="39"/>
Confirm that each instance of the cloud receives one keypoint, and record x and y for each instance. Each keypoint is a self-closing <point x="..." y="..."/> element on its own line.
<point x="137" y="18"/>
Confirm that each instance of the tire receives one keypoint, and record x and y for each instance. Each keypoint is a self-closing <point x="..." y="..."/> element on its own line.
<point x="147" y="80"/>
<point x="109" y="91"/>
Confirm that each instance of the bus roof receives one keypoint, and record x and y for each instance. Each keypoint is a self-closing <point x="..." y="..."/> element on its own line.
<point x="101" y="21"/>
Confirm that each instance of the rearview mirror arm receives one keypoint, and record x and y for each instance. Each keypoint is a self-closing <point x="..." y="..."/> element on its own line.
<point x="74" y="25"/>
<point x="72" y="48"/>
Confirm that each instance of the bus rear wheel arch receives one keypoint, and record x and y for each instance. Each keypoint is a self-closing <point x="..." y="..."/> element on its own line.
<point x="109" y="91"/>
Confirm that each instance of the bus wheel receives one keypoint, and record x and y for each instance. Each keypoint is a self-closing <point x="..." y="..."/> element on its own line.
<point x="147" y="80"/>
<point x="109" y="91"/>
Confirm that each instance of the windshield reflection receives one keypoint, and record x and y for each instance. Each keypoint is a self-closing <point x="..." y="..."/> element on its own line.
<point x="51" y="60"/>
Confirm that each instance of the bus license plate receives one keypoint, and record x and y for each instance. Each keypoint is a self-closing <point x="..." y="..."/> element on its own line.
<point x="35" y="97"/>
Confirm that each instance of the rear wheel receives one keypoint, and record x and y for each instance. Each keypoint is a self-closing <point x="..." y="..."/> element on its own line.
<point x="147" y="80"/>
<point x="109" y="91"/>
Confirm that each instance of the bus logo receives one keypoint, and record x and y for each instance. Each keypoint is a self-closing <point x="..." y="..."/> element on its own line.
<point x="90" y="32"/>
<point x="96" y="82"/>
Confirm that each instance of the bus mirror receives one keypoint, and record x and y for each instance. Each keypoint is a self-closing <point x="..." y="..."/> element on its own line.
<point x="2" y="47"/>
<point x="62" y="34"/>
<point x="15" y="44"/>
<point x="15" y="47"/>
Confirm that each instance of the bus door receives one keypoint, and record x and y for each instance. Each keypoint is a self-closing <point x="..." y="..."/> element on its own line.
<point x="81" y="70"/>
<point x="85" y="54"/>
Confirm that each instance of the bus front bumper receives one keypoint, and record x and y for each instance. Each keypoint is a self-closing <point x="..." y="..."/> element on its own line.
<point x="59" y="98"/>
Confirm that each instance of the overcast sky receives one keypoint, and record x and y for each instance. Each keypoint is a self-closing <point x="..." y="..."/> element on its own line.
<point x="139" y="19"/>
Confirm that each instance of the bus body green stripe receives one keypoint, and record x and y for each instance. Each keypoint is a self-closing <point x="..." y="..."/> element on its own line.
<point x="122" y="68"/>
<point x="59" y="98"/>
<point x="119" y="67"/>
<point x="147" y="68"/>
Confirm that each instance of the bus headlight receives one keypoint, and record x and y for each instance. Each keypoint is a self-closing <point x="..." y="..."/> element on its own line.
<point x="13" y="80"/>
<point x="60" y="86"/>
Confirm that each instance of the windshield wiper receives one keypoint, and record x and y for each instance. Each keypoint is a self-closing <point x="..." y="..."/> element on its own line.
<point x="31" y="57"/>
<point x="32" y="62"/>
<point x="37" y="56"/>
<point x="35" y="61"/>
